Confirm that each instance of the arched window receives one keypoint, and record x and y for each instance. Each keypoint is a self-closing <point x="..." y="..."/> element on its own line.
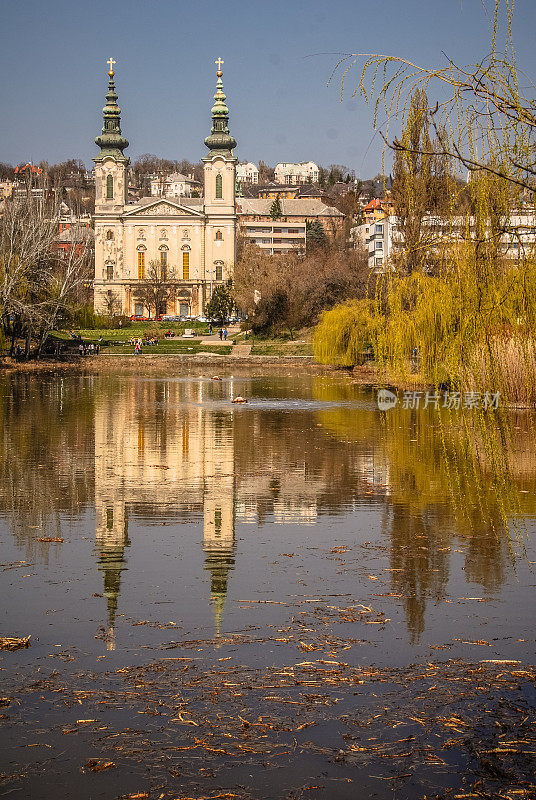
<point x="109" y="187"/>
<point x="186" y="265"/>
<point x="219" y="236"/>
<point x="109" y="272"/>
<point x="163" y="263"/>
<point x="219" y="187"/>
<point x="109" y="234"/>
<point x="219" y="270"/>
<point x="141" y="265"/>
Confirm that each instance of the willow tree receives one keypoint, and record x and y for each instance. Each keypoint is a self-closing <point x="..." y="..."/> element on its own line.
<point x="473" y="321"/>
<point x="422" y="190"/>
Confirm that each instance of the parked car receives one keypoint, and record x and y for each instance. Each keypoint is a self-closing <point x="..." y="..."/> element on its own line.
<point x="202" y="319"/>
<point x="138" y="318"/>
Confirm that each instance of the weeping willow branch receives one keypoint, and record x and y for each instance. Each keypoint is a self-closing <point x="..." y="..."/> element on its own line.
<point x="485" y="117"/>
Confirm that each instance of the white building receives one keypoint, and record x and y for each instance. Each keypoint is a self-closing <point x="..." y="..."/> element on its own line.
<point x="380" y="236"/>
<point x="304" y="172"/>
<point x="174" y="185"/>
<point x="247" y="172"/>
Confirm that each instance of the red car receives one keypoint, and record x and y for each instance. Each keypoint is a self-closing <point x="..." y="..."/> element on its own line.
<point x="137" y="318"/>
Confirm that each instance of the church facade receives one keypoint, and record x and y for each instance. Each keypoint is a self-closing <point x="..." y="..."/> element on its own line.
<point x="177" y="249"/>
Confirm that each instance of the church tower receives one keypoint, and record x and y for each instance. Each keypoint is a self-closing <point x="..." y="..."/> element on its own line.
<point x="220" y="186"/>
<point x="111" y="164"/>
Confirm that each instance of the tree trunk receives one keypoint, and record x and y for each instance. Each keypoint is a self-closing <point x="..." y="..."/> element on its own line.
<point x="27" y="345"/>
<point x="12" y="348"/>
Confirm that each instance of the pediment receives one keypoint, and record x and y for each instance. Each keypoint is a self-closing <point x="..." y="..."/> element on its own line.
<point x="164" y="208"/>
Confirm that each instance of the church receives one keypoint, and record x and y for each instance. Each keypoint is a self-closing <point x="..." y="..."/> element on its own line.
<point x="187" y="243"/>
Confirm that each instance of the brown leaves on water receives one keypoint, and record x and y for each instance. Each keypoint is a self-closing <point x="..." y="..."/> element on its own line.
<point x="50" y="539"/>
<point x="97" y="765"/>
<point x="14" y="642"/>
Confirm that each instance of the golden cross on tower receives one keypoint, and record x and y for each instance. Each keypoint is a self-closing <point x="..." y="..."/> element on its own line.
<point x="111" y="63"/>
<point x="219" y="62"/>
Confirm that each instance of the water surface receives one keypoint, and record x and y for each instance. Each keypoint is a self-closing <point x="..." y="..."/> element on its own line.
<point x="303" y="526"/>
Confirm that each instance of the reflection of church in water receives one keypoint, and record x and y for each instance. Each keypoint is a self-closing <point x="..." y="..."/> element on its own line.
<point x="178" y="450"/>
<point x="158" y="450"/>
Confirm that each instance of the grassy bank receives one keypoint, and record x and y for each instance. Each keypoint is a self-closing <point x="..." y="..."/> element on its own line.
<point x="166" y="347"/>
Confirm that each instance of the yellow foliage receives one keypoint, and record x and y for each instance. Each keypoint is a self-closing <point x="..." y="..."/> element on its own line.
<point x="344" y="333"/>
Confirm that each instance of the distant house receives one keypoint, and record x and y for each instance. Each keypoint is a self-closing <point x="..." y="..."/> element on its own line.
<point x="288" y="232"/>
<point x="273" y="190"/>
<point x="75" y="235"/>
<point x="311" y="192"/>
<point x="6" y="189"/>
<point x="303" y="172"/>
<point x="174" y="185"/>
<point x="247" y="172"/>
<point x="377" y="209"/>
<point x="289" y="192"/>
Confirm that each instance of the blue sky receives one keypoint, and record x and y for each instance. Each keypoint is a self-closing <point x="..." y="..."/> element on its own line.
<point x="278" y="57"/>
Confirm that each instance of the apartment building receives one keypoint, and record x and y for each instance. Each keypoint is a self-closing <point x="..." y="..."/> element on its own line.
<point x="174" y="185"/>
<point x="289" y="231"/>
<point x="247" y="172"/>
<point x="303" y="172"/>
<point x="380" y="235"/>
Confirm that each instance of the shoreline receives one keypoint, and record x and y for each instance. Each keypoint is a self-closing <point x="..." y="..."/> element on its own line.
<point x="169" y="365"/>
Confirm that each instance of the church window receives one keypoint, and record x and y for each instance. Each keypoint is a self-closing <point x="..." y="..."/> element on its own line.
<point x="141" y="265"/>
<point x="219" y="236"/>
<point x="163" y="264"/>
<point x="219" y="187"/>
<point x="219" y="270"/>
<point x="109" y="272"/>
<point x="186" y="266"/>
<point x="217" y="522"/>
<point x="109" y="234"/>
<point x="109" y="187"/>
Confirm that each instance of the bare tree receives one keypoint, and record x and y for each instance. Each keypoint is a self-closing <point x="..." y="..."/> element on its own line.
<point x="155" y="289"/>
<point x="37" y="281"/>
<point x="111" y="304"/>
<point x="68" y="272"/>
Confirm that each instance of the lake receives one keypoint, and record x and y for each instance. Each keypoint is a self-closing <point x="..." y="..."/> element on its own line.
<point x="299" y="596"/>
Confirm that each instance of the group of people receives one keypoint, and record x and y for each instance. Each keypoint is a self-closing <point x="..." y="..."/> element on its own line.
<point x="90" y="349"/>
<point x="139" y="343"/>
<point x="222" y="333"/>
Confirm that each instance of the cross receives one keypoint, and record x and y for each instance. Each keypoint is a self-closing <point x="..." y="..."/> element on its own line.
<point x="219" y="62"/>
<point x="111" y="63"/>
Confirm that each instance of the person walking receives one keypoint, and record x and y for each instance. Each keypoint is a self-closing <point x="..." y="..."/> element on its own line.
<point x="81" y="349"/>
<point x="220" y="333"/>
<point x="225" y="334"/>
<point x="210" y="330"/>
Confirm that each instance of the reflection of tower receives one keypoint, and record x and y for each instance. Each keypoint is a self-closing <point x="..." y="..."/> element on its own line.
<point x="218" y="509"/>
<point x="112" y="538"/>
<point x="159" y="449"/>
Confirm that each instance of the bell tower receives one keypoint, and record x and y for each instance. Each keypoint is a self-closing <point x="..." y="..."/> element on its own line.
<point x="111" y="164"/>
<point x="220" y="191"/>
